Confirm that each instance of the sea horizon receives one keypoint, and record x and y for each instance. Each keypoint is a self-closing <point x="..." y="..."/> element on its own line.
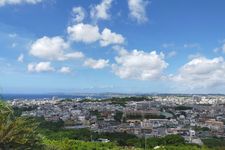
<point x="101" y="95"/>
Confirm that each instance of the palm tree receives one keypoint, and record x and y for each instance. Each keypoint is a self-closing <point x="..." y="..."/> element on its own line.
<point x="16" y="132"/>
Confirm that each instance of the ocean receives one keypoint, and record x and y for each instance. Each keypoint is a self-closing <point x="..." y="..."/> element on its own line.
<point x="39" y="96"/>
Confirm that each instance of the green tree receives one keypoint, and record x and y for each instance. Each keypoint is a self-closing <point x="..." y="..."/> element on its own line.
<point x="174" y="140"/>
<point x="118" y="116"/>
<point x="16" y="132"/>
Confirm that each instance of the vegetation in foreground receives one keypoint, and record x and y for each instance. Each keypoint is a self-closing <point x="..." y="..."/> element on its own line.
<point x="21" y="133"/>
<point x="17" y="132"/>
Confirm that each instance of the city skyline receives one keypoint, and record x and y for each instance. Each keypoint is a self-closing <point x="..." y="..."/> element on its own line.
<point x="131" y="46"/>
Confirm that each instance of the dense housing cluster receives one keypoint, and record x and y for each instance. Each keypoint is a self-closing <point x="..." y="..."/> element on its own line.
<point x="193" y="117"/>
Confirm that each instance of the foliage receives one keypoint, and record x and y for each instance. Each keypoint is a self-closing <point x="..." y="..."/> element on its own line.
<point x="135" y="116"/>
<point x="167" y="140"/>
<point x="67" y="144"/>
<point x="18" y="110"/>
<point x="66" y="100"/>
<point x="96" y="113"/>
<point x="183" y="108"/>
<point x="87" y="135"/>
<point x="49" y="125"/>
<point x="182" y="147"/>
<point x="122" y="101"/>
<point x="116" y="138"/>
<point x="144" y="116"/>
<point x="150" y="116"/>
<point x="173" y="140"/>
<point x="214" y="142"/>
<point x="198" y="128"/>
<point x="78" y="134"/>
<point x="17" y="132"/>
<point x="118" y="116"/>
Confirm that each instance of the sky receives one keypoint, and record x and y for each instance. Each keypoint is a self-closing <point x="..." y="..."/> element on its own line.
<point x="126" y="46"/>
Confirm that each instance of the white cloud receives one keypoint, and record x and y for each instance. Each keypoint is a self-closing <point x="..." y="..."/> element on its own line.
<point x="138" y="10"/>
<point x="171" y="54"/>
<point x="73" y="55"/>
<point x="120" y="50"/>
<point x="221" y="48"/>
<point x="201" y="72"/>
<point x="96" y="64"/>
<point x="192" y="45"/>
<point x="65" y="70"/>
<point x="20" y="58"/>
<point x="52" y="48"/>
<point x="14" y="45"/>
<point x="14" y="2"/>
<point x="12" y="35"/>
<point x="168" y="45"/>
<point x="101" y="11"/>
<point x="84" y="33"/>
<point x="90" y="33"/>
<point x="78" y="14"/>
<point x="40" y="67"/>
<point x="139" y="65"/>
<point x="49" y="48"/>
<point x="109" y="37"/>
<point x="193" y="56"/>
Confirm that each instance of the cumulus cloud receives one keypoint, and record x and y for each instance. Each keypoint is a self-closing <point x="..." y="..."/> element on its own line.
<point x="15" y="2"/>
<point x="73" y="55"/>
<point x="201" y="72"/>
<point x="40" y="67"/>
<point x="101" y="11"/>
<point x="108" y="37"/>
<point x="138" y="10"/>
<point x="84" y="33"/>
<point x="78" y="14"/>
<point x="120" y="50"/>
<point x="65" y="70"/>
<point x="53" y="48"/>
<point x="90" y="33"/>
<point x="20" y="58"/>
<point x="96" y="64"/>
<point x="139" y="65"/>
<point x="49" y="48"/>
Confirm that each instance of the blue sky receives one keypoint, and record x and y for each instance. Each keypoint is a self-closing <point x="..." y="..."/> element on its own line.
<point x="141" y="46"/>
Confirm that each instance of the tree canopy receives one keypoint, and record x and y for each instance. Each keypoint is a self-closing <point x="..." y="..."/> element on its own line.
<point x="16" y="132"/>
